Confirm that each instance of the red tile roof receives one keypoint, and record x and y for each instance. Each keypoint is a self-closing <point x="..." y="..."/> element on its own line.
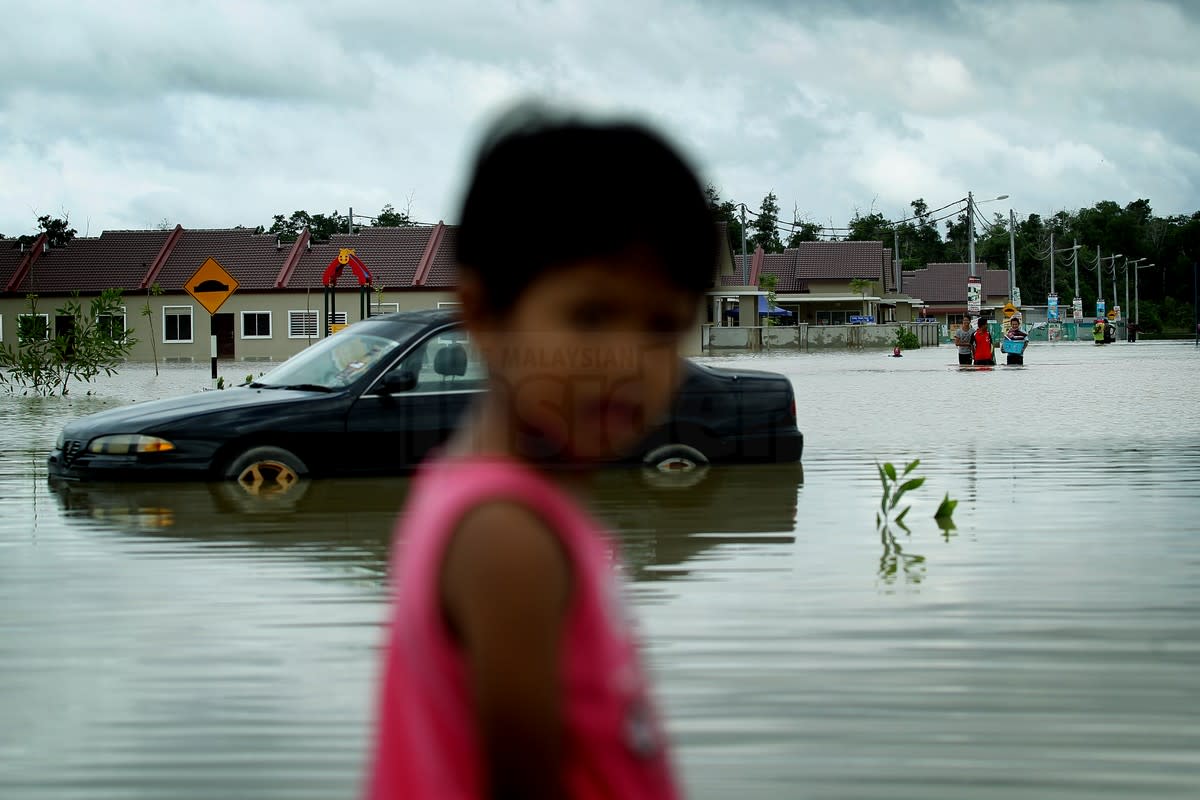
<point x="443" y="272"/>
<point x="10" y="257"/>
<point x="795" y="268"/>
<point x="253" y="259"/>
<point x="391" y="254"/>
<point x="947" y="283"/>
<point x="844" y="261"/>
<point x="114" y="259"/>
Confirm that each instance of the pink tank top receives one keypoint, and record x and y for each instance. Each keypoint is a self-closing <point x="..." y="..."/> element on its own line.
<point x="426" y="744"/>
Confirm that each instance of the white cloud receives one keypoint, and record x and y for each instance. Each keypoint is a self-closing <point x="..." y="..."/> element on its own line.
<point x="220" y="113"/>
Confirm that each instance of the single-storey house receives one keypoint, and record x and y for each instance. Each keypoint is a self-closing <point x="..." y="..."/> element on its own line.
<point x="943" y="290"/>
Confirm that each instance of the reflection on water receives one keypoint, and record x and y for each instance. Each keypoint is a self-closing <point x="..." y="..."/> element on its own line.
<point x="662" y="521"/>
<point x="189" y="641"/>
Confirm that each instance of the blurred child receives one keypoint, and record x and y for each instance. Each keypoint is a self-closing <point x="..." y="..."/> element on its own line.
<point x="511" y="670"/>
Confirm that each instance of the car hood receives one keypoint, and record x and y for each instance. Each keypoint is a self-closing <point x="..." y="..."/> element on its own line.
<point x="140" y="417"/>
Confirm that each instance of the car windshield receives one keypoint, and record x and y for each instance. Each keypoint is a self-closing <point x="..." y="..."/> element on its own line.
<point x="333" y="363"/>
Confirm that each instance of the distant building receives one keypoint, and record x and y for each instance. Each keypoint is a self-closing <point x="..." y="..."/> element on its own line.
<point x="278" y="307"/>
<point x="813" y="281"/>
<point x="943" y="289"/>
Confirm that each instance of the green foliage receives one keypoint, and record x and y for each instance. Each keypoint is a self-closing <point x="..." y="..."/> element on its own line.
<point x="906" y="338"/>
<point x="895" y="485"/>
<point x="728" y="212"/>
<point x="389" y="217"/>
<point x="321" y="226"/>
<point x="88" y="342"/>
<point x="765" y="226"/>
<point x="767" y="283"/>
<point x="58" y="231"/>
<point x="945" y="509"/>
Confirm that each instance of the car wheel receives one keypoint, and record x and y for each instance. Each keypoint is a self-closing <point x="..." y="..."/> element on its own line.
<point x="675" y="458"/>
<point x="266" y="471"/>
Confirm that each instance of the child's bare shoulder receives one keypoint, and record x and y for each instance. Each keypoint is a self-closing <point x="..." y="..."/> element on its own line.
<point x="500" y="546"/>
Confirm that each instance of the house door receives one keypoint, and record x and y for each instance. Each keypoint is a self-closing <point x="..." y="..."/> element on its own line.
<point x="222" y="328"/>
<point x="64" y="326"/>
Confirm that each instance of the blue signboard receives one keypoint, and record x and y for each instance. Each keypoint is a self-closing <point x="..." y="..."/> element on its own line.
<point x="1052" y="308"/>
<point x="1100" y="308"/>
<point x="859" y="319"/>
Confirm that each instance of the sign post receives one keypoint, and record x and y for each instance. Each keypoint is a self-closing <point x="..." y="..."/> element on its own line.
<point x="974" y="295"/>
<point x="211" y="286"/>
<point x="1052" y="308"/>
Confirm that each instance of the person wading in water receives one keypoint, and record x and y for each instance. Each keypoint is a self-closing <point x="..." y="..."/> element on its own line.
<point x="962" y="338"/>
<point x="982" y="340"/>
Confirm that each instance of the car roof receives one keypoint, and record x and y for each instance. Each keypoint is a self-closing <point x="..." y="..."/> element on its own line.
<point x="425" y="316"/>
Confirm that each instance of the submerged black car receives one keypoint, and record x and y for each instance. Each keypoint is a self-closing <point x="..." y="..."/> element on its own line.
<point x="374" y="399"/>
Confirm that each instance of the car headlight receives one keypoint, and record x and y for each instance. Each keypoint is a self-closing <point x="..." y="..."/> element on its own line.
<point x="60" y="441"/>
<point x="125" y="443"/>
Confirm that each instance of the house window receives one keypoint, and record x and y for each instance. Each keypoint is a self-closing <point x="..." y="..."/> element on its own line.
<point x="384" y="308"/>
<point x="954" y="320"/>
<point x="339" y="318"/>
<point x="303" y="324"/>
<point x="32" y="327"/>
<point x="177" y="324"/>
<point x="256" y="324"/>
<point x="112" y="325"/>
<point x="448" y="304"/>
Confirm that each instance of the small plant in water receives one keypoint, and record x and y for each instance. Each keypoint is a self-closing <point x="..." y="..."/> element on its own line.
<point x="893" y="490"/>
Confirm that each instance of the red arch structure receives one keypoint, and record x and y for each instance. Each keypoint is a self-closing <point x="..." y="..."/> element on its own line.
<point x="334" y="271"/>
<point x="329" y="279"/>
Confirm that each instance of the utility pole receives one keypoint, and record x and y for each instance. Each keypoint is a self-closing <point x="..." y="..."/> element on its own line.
<point x="1051" y="261"/>
<point x="350" y="220"/>
<point x="1113" y="273"/>
<point x="745" y="266"/>
<point x="896" y="259"/>
<point x="1099" y="267"/>
<point x="1125" y="308"/>
<point x="971" y="231"/>
<point x="1075" y="262"/>
<point x="1012" y="255"/>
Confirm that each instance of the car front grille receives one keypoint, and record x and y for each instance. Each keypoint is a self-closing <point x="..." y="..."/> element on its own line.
<point x="71" y="448"/>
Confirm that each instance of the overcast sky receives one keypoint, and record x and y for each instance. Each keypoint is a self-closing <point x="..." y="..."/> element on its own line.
<point x="215" y="114"/>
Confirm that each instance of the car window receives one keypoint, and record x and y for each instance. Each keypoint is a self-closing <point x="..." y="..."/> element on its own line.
<point x="446" y="361"/>
<point x="334" y="363"/>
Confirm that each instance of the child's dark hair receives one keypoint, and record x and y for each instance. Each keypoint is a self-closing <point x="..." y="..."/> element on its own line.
<point x="550" y="190"/>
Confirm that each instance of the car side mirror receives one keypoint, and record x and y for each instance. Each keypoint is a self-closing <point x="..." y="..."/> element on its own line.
<point x="397" y="382"/>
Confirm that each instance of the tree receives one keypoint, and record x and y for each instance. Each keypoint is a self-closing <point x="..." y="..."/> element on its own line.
<point x="765" y="226"/>
<point x="871" y="228"/>
<point x="767" y="283"/>
<point x="58" y="231"/>
<point x="728" y="212"/>
<point x="320" y="226"/>
<point x="803" y="230"/>
<point x="860" y="286"/>
<point x="85" y="344"/>
<point x="389" y="217"/>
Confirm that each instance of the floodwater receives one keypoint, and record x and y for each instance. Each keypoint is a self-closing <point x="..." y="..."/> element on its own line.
<point x="190" y="642"/>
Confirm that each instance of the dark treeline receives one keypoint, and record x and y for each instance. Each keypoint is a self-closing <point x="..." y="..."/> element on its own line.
<point x="1171" y="244"/>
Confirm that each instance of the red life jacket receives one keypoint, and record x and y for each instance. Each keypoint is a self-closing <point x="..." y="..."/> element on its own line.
<point x="983" y="345"/>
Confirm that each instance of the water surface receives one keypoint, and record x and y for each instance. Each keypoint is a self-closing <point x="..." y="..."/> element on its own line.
<point x="190" y="642"/>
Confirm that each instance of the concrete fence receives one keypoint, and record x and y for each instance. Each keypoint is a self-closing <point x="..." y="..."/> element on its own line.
<point x="805" y="338"/>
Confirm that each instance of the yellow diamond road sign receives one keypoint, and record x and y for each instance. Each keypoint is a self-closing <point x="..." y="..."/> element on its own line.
<point x="211" y="285"/>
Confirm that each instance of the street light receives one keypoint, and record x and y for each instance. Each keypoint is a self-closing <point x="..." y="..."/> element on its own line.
<point x="1125" y="268"/>
<point x="1100" y="277"/>
<point x="971" y="203"/>
<point x="1137" y="317"/>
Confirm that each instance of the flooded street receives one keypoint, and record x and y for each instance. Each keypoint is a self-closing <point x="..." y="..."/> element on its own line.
<point x="188" y="641"/>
